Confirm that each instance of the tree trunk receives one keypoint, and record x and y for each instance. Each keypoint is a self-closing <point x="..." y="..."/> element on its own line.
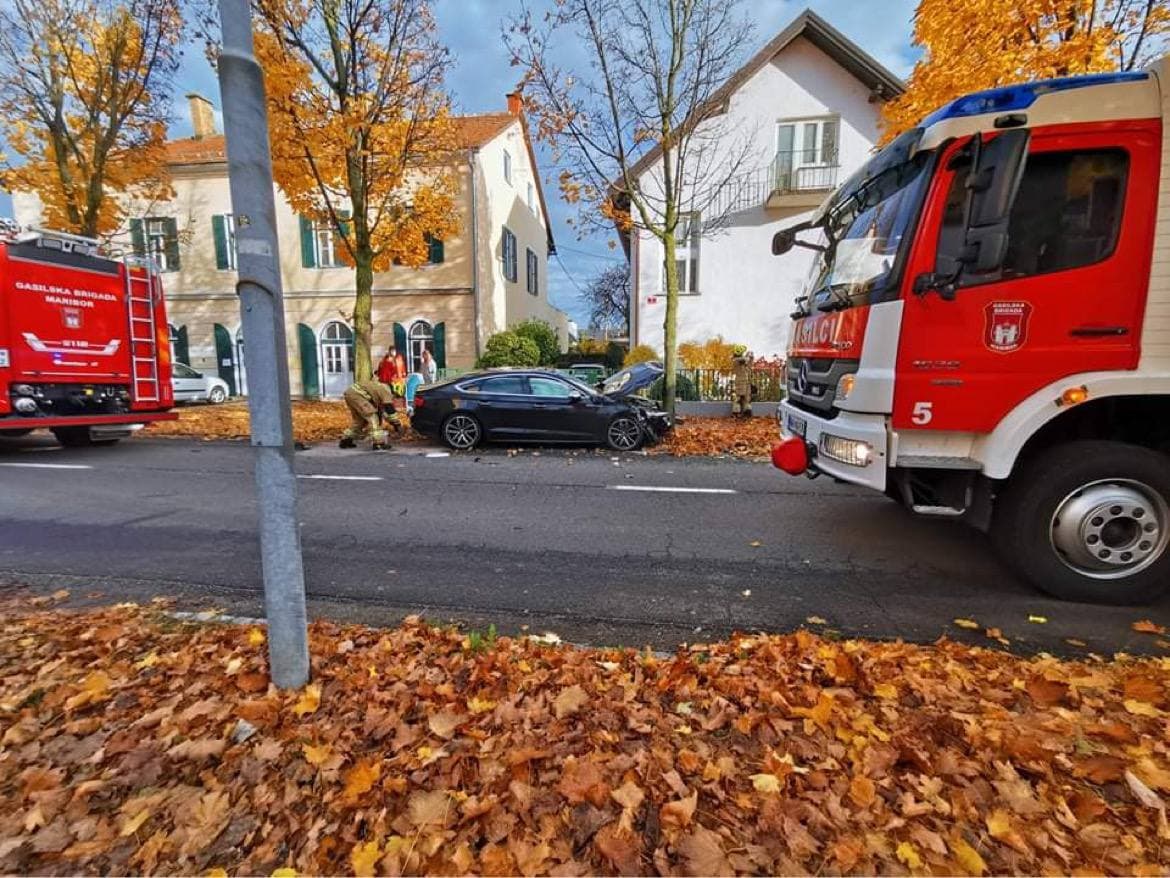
<point x="670" y="326"/>
<point x="362" y="310"/>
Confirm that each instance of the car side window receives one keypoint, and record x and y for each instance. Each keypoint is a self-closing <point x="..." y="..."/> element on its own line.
<point x="184" y="371"/>
<point x="549" y="387"/>
<point x="511" y="384"/>
<point x="1067" y="214"/>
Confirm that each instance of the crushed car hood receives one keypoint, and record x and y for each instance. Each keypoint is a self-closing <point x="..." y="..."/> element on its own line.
<point x="630" y="380"/>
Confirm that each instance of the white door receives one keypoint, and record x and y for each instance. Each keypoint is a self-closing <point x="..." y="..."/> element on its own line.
<point x="336" y="358"/>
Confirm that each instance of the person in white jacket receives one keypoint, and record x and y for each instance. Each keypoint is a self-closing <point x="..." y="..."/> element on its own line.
<point x="430" y="369"/>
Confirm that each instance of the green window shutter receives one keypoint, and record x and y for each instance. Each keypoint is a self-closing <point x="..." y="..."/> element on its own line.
<point x="172" y="244"/>
<point x="440" y="341"/>
<point x="137" y="237"/>
<point x="308" y="252"/>
<point x="219" y="232"/>
<point x="434" y="250"/>
<point x="400" y="338"/>
<point x="182" y="349"/>
<point x="310" y="376"/>
<point x="225" y="357"/>
<point x="343" y="227"/>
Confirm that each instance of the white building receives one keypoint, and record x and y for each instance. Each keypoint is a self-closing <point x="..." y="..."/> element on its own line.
<point x="806" y="106"/>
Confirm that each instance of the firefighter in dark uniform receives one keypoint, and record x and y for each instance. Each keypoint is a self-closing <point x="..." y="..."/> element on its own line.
<point x="370" y="403"/>
<point x="741" y="360"/>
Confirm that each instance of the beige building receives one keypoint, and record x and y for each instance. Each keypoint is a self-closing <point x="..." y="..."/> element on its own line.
<point x="491" y="275"/>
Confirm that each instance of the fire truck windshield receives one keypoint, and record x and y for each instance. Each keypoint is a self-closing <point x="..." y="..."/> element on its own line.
<point x="866" y="233"/>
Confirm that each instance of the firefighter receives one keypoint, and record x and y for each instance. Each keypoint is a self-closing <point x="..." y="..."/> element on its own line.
<point x="741" y="360"/>
<point x="370" y="404"/>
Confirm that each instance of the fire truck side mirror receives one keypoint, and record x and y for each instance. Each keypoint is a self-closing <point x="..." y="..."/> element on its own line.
<point x="992" y="186"/>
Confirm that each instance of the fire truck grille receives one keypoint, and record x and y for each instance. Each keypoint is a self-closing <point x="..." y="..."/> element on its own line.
<point x="812" y="383"/>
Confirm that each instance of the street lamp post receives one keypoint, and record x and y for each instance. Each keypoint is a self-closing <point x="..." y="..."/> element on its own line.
<point x="245" y="115"/>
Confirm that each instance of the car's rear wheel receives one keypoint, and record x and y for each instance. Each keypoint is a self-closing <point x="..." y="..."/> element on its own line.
<point x="1089" y="521"/>
<point x="461" y="431"/>
<point x="217" y="395"/>
<point x="80" y="437"/>
<point x="624" y="433"/>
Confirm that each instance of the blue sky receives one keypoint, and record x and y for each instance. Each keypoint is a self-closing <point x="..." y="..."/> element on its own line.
<point x="482" y="76"/>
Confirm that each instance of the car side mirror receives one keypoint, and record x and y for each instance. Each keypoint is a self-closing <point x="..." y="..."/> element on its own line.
<point x="576" y="396"/>
<point x="993" y="183"/>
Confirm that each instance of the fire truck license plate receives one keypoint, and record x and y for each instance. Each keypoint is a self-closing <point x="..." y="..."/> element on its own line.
<point x="796" y="426"/>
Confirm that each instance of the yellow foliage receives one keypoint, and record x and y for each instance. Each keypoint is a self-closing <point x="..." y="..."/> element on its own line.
<point x="981" y="44"/>
<point x="84" y="99"/>
<point x="714" y="353"/>
<point x="642" y="353"/>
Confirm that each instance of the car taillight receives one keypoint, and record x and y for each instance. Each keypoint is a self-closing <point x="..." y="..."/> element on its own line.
<point x="419" y="401"/>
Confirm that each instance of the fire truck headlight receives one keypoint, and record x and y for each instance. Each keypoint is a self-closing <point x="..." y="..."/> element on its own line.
<point x="24" y="405"/>
<point x="851" y="451"/>
<point x="23" y="390"/>
<point x="845" y="386"/>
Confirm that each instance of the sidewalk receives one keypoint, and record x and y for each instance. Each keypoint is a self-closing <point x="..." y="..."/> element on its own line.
<point x="135" y="743"/>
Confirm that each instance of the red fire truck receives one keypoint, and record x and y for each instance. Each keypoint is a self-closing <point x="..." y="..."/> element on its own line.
<point x="987" y="333"/>
<point x="84" y="347"/>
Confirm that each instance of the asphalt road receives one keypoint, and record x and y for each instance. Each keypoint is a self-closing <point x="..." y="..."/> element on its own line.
<point x="598" y="548"/>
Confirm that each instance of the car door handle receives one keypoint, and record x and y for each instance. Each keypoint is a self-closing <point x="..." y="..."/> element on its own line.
<point x="1097" y="331"/>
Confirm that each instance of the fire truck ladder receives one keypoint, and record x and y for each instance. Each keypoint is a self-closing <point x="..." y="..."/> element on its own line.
<point x="141" y="291"/>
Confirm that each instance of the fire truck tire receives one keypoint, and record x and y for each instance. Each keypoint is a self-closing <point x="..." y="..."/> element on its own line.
<point x="1089" y="521"/>
<point x="79" y="437"/>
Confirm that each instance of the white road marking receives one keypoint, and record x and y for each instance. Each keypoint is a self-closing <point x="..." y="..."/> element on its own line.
<point x="668" y="490"/>
<point x="49" y="465"/>
<point x="341" y="478"/>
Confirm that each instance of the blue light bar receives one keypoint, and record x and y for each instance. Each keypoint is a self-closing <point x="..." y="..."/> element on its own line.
<point x="1022" y="96"/>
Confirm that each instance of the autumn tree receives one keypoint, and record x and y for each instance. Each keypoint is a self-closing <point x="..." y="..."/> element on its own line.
<point x="85" y="90"/>
<point x="608" y="298"/>
<point x="982" y="44"/>
<point x="360" y="131"/>
<point x="637" y="125"/>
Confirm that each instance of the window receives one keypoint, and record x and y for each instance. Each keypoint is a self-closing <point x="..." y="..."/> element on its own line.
<point x="509" y="255"/>
<point x="182" y="371"/>
<point x="1067" y="214"/>
<point x="158" y="239"/>
<point x="421" y="336"/>
<point x="435" y="254"/>
<point x="807" y="154"/>
<point x="532" y="280"/>
<point x="548" y="387"/>
<point x="223" y="229"/>
<point x="507" y="166"/>
<point x="325" y="246"/>
<point x="687" y="237"/>
<point x="532" y="198"/>
<point x="513" y="384"/>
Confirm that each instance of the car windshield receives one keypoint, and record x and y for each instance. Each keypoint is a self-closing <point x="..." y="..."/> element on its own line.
<point x="865" y="234"/>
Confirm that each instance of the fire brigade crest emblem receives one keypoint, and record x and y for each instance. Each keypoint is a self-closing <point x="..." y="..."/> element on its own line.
<point x="1006" y="326"/>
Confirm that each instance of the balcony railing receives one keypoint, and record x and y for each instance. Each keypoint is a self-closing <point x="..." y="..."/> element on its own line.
<point x="796" y="172"/>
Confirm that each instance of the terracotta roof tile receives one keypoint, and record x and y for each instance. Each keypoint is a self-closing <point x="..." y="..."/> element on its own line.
<point x="471" y="131"/>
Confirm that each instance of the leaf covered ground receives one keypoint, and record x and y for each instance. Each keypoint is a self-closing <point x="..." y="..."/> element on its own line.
<point x="711" y="437"/>
<point x="313" y="421"/>
<point x="132" y="743"/>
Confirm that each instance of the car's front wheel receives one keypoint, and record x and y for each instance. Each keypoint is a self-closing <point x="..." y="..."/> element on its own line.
<point x="1089" y="521"/>
<point x="217" y="395"/>
<point x="461" y="431"/>
<point x="624" y="433"/>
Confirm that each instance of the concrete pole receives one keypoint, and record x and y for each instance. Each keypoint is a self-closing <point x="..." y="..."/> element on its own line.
<point x="245" y="115"/>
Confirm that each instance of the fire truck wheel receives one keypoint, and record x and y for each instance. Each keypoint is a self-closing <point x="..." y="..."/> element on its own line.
<point x="1089" y="521"/>
<point x="79" y="437"/>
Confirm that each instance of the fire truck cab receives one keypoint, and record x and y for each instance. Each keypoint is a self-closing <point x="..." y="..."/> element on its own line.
<point x="986" y="334"/>
<point x="84" y="344"/>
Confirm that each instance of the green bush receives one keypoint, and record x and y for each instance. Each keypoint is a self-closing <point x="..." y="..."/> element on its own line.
<point x="545" y="338"/>
<point x="509" y="349"/>
<point x="684" y="389"/>
<point x="614" y="355"/>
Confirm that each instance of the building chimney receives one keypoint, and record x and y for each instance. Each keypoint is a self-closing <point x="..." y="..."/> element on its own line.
<point x="515" y="103"/>
<point x="202" y="116"/>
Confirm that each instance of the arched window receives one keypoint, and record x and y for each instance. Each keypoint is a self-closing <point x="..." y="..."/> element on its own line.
<point x="421" y="335"/>
<point x="336" y="358"/>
